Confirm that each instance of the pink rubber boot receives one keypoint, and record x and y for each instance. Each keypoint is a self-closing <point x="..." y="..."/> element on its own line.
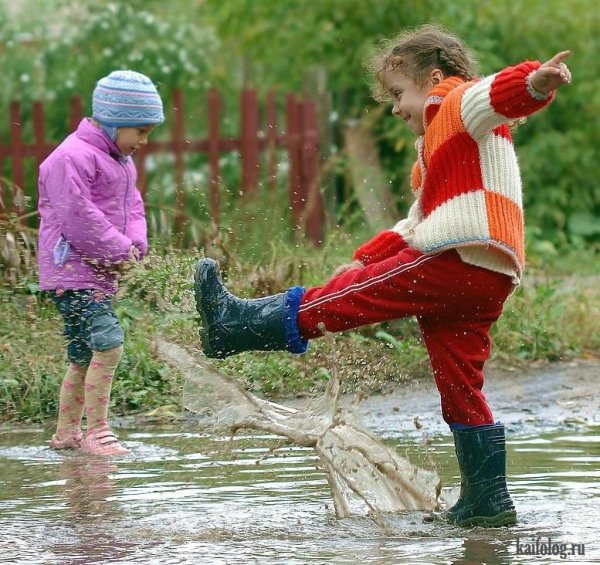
<point x="102" y="441"/>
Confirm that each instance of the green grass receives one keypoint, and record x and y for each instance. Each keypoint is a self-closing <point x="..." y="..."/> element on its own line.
<point x="550" y="317"/>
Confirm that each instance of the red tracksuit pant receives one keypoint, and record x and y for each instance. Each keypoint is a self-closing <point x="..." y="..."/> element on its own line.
<point x="455" y="304"/>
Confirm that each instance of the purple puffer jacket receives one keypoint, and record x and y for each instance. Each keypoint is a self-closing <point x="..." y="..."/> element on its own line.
<point x="87" y="195"/>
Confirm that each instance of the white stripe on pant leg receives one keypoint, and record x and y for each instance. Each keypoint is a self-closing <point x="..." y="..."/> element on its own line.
<point x="367" y="283"/>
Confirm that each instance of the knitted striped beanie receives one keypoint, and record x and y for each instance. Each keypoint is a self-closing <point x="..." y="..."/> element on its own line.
<point x="126" y="99"/>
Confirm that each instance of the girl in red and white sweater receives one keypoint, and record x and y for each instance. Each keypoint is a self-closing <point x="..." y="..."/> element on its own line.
<point x="451" y="263"/>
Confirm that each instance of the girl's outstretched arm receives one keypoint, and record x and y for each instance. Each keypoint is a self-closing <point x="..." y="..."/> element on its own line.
<point x="511" y="94"/>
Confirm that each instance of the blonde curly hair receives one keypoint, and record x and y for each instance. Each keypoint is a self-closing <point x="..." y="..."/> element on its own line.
<point x="415" y="53"/>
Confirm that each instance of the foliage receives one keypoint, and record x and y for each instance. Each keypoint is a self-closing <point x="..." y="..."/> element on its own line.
<point x="280" y="41"/>
<point x="53" y="62"/>
<point x="18" y="257"/>
<point x="562" y="196"/>
<point x="550" y="317"/>
<point x="33" y="361"/>
<point x="52" y="50"/>
<point x="142" y="381"/>
<point x="409" y="347"/>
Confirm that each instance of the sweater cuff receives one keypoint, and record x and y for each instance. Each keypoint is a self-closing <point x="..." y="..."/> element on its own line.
<point x="535" y="94"/>
<point x="512" y="95"/>
<point x="385" y="244"/>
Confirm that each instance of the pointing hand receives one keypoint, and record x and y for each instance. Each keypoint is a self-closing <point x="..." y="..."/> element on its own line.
<point x="552" y="74"/>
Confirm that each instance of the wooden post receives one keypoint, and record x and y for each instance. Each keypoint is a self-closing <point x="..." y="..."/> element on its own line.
<point x="39" y="133"/>
<point x="76" y="112"/>
<point x="4" y="187"/>
<point x="295" y="164"/>
<point x="39" y="148"/>
<point x="214" y="104"/>
<point x="178" y="148"/>
<point x="140" y="165"/>
<point x="313" y="206"/>
<point x="3" y="153"/>
<point x="3" y="209"/>
<point x="249" y="142"/>
<point x="16" y="153"/>
<point x="271" y="136"/>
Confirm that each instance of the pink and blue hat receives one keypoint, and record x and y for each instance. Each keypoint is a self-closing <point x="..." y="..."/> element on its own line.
<point x="126" y="99"/>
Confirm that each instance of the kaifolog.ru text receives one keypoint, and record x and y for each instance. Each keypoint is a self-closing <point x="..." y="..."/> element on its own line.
<point x="546" y="546"/>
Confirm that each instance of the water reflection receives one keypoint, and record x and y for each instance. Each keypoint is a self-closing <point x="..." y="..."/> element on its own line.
<point x="482" y="552"/>
<point x="92" y="512"/>
<point x="88" y="487"/>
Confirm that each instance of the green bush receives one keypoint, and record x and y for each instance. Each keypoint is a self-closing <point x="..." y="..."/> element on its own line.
<point x="281" y="45"/>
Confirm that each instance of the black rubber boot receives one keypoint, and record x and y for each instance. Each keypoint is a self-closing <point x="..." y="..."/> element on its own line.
<point x="231" y="325"/>
<point x="484" y="499"/>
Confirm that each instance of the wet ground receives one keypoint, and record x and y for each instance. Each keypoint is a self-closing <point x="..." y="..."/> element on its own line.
<point x="187" y="495"/>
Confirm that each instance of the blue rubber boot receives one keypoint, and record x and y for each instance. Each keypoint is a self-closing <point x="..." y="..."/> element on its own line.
<point x="231" y="325"/>
<point x="484" y="499"/>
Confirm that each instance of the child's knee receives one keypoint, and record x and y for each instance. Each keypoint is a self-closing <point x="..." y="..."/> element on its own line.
<point x="76" y="372"/>
<point x="105" y="332"/>
<point x="108" y="358"/>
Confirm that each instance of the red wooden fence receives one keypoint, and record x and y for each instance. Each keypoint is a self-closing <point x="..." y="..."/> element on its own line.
<point x="300" y="138"/>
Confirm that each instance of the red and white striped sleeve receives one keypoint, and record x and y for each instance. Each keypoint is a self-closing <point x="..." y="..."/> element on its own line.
<point x="499" y="98"/>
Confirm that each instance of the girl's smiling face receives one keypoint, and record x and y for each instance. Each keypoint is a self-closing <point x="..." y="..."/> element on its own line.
<point x="129" y="140"/>
<point x="408" y="97"/>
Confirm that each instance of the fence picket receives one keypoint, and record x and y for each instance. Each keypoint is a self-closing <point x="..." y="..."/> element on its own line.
<point x="75" y="112"/>
<point x="295" y="166"/>
<point x="16" y="153"/>
<point x="178" y="151"/>
<point x="214" y="106"/>
<point x="40" y="150"/>
<point x="271" y="138"/>
<point x="249" y="142"/>
<point x="312" y="211"/>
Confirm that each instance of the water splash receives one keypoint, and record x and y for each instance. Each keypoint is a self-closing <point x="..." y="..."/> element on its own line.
<point x="362" y="472"/>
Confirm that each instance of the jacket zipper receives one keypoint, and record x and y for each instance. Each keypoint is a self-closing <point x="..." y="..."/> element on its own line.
<point x="125" y="214"/>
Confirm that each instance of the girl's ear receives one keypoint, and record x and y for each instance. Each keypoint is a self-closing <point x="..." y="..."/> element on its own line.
<point x="436" y="76"/>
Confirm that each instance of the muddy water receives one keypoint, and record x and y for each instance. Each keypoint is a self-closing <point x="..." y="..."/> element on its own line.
<point x="185" y="495"/>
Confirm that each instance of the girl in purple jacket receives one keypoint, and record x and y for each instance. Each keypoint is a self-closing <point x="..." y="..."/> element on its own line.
<point x="92" y="228"/>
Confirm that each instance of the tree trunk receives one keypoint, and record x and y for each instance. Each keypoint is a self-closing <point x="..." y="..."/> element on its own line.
<point x="371" y="186"/>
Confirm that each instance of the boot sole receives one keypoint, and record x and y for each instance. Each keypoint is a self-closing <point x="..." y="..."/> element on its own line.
<point x="508" y="518"/>
<point x="203" y="331"/>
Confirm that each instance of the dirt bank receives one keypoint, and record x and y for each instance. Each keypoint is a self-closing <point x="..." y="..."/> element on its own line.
<point x="536" y="398"/>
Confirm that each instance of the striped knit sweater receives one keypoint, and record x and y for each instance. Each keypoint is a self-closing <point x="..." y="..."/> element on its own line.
<point x="466" y="180"/>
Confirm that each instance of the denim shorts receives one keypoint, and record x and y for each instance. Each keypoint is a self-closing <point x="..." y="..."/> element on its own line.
<point x="90" y="323"/>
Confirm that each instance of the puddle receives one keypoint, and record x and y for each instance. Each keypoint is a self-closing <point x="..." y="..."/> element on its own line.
<point x="185" y="495"/>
